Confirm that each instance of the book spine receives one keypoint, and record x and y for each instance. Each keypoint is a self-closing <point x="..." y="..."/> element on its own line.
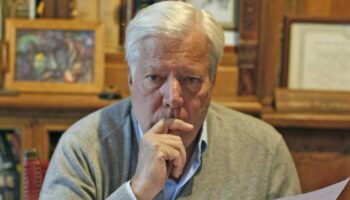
<point x="2" y="20"/>
<point x="32" y="9"/>
<point x="49" y="9"/>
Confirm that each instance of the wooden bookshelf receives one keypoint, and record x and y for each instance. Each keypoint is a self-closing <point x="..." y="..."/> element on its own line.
<point x="53" y="102"/>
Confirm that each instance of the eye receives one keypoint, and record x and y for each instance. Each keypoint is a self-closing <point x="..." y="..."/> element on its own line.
<point x="192" y="83"/>
<point x="153" y="81"/>
<point x="192" y="80"/>
<point x="153" y="77"/>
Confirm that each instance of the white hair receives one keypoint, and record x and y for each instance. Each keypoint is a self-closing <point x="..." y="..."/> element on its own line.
<point x="173" y="19"/>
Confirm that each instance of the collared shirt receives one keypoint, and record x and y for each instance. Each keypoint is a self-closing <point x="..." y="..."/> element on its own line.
<point x="172" y="189"/>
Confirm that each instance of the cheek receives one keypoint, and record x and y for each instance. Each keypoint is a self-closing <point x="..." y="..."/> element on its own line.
<point x="197" y="105"/>
<point x="146" y="102"/>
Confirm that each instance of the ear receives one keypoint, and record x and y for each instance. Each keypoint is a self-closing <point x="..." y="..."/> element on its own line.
<point x="129" y="77"/>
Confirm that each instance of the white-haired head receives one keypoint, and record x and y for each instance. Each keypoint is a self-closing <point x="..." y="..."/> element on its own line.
<point x="173" y="19"/>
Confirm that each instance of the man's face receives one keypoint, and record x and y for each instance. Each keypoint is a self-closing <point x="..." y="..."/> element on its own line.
<point x="172" y="81"/>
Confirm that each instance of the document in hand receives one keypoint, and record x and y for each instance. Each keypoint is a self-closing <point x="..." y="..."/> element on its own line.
<point x="328" y="193"/>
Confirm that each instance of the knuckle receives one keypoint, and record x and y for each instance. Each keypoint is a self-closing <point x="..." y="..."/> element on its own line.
<point x="156" y="145"/>
<point x="160" y="157"/>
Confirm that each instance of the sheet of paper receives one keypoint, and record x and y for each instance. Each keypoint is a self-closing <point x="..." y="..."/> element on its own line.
<point x="327" y="193"/>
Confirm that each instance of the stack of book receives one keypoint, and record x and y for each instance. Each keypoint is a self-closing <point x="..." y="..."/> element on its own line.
<point x="10" y="167"/>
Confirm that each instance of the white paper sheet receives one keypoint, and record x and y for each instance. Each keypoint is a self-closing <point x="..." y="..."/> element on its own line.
<point x="327" y="193"/>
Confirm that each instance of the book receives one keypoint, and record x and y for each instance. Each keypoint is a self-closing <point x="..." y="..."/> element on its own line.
<point x="9" y="158"/>
<point x="9" y="185"/>
<point x="62" y="9"/>
<point x="49" y="9"/>
<point x="9" y="165"/>
<point x="57" y="9"/>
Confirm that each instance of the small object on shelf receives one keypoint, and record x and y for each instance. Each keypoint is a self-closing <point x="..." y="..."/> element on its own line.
<point x="111" y="92"/>
<point x="5" y="92"/>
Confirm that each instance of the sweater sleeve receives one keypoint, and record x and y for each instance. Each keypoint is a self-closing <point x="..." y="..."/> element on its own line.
<point x="123" y="192"/>
<point x="284" y="177"/>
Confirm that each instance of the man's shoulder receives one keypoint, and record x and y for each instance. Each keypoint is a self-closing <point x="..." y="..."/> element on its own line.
<point x="114" y="114"/>
<point x="103" y="121"/>
<point x="237" y="127"/>
<point x="231" y="116"/>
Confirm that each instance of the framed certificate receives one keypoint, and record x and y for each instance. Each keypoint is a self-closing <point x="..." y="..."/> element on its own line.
<point x="316" y="54"/>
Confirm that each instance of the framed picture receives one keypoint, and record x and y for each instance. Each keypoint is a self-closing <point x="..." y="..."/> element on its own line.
<point x="225" y="12"/>
<point x="55" y="56"/>
<point x="316" y="54"/>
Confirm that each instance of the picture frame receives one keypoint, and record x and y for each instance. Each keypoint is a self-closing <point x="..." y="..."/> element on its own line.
<point x="55" y="56"/>
<point x="316" y="52"/>
<point x="226" y="12"/>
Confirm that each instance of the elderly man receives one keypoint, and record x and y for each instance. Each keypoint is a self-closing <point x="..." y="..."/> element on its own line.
<point x="168" y="141"/>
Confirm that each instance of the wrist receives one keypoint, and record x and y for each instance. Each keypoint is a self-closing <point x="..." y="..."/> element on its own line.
<point x="139" y="191"/>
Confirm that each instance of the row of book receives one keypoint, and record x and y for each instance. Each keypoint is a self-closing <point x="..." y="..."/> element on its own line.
<point x="16" y="162"/>
<point x="10" y="165"/>
<point x="40" y="8"/>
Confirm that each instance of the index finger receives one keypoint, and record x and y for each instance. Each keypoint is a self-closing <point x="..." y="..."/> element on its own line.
<point x="164" y="126"/>
<point x="174" y="124"/>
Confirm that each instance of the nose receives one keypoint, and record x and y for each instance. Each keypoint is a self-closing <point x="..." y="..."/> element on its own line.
<point x="172" y="94"/>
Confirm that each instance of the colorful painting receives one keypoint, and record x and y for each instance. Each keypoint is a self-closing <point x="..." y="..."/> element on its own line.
<point x="62" y="56"/>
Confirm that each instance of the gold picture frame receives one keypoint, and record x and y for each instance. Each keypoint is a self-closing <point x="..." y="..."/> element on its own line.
<point x="55" y="56"/>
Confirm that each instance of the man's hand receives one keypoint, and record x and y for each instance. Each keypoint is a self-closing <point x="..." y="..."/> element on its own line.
<point x="160" y="154"/>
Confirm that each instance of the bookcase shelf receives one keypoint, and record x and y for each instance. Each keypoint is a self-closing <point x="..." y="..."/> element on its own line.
<point x="41" y="119"/>
<point x="308" y="120"/>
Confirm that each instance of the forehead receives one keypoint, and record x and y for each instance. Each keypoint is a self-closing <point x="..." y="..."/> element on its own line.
<point x="194" y="41"/>
<point x="164" y="51"/>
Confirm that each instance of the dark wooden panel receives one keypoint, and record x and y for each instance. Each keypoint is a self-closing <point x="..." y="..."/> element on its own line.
<point x="322" y="156"/>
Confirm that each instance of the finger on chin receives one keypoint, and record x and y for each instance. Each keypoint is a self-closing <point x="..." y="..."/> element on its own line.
<point x="178" y="125"/>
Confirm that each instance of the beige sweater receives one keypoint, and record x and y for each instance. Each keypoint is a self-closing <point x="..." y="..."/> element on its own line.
<point x="245" y="159"/>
